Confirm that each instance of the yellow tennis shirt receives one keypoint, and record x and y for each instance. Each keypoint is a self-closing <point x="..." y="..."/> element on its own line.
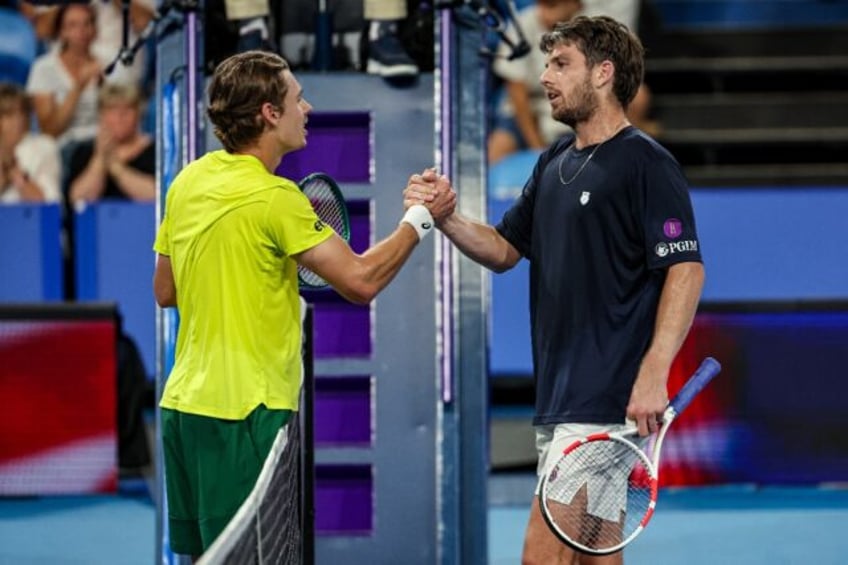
<point x="230" y="229"/>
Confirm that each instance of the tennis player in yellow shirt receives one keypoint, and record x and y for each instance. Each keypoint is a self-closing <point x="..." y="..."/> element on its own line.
<point x="228" y="246"/>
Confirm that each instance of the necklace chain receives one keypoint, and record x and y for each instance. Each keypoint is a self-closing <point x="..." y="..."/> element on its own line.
<point x="586" y="162"/>
<point x="580" y="170"/>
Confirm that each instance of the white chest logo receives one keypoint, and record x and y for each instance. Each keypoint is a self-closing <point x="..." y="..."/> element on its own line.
<point x="584" y="197"/>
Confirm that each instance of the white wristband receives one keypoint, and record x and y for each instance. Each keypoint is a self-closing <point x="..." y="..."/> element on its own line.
<point x="419" y="217"/>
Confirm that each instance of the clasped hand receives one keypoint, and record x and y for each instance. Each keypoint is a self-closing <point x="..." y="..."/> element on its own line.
<point x="433" y="191"/>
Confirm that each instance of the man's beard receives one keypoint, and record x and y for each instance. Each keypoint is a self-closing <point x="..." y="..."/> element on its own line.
<point x="581" y="111"/>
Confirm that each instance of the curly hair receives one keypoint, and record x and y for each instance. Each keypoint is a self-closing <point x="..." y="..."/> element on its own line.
<point x="240" y="86"/>
<point x="603" y="39"/>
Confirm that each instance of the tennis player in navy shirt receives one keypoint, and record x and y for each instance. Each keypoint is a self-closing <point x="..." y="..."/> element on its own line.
<point x="606" y="221"/>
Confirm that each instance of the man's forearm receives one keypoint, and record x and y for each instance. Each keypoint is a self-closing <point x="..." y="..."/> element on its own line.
<point x="479" y="242"/>
<point x="676" y="311"/>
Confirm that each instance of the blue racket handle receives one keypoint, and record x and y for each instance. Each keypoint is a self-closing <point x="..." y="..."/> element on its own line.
<point x="709" y="368"/>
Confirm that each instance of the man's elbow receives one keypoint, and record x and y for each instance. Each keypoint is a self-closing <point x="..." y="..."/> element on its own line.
<point x="166" y="302"/>
<point x="361" y="294"/>
<point x="499" y="268"/>
<point x="506" y="261"/>
<point x="165" y="297"/>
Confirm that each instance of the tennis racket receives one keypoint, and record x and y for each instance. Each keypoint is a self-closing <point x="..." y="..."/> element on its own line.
<point x="329" y="204"/>
<point x="602" y="492"/>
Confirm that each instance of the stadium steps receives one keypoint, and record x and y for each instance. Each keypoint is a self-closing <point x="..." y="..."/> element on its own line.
<point x="754" y="107"/>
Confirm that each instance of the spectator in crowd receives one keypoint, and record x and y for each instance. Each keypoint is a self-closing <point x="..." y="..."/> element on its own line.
<point x="386" y="55"/>
<point x="252" y="18"/>
<point x="121" y="161"/>
<point x="43" y="20"/>
<point x="522" y="114"/>
<point x="522" y="117"/>
<point x="63" y="83"/>
<point x="108" y="40"/>
<point x="30" y="167"/>
<point x="110" y="27"/>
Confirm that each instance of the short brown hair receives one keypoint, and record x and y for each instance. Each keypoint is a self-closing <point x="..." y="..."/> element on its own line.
<point x="604" y="39"/>
<point x="13" y="98"/>
<point x="240" y="86"/>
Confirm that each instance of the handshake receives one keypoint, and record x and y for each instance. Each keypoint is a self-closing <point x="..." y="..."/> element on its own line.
<point x="429" y="199"/>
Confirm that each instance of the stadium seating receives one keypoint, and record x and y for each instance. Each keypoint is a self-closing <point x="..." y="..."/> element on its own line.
<point x="18" y="46"/>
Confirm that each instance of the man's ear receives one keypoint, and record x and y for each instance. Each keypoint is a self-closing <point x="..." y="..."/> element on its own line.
<point x="603" y="72"/>
<point x="270" y="113"/>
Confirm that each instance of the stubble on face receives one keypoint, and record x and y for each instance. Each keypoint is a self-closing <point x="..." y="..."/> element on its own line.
<point x="578" y="105"/>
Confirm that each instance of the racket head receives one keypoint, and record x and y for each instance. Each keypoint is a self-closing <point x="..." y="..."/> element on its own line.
<point x="329" y="204"/>
<point x="600" y="494"/>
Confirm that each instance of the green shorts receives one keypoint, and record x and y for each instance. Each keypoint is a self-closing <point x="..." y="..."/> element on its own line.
<point x="211" y="465"/>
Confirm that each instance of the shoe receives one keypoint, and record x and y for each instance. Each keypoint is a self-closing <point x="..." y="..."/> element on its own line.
<point x="388" y="59"/>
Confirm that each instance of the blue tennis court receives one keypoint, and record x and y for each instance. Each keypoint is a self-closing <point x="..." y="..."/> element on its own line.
<point x="697" y="526"/>
<point x="712" y="525"/>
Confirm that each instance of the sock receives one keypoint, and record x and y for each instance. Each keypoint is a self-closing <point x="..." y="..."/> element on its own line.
<point x="250" y="25"/>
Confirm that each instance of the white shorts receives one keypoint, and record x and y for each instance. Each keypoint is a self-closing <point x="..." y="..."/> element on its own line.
<point x="551" y="442"/>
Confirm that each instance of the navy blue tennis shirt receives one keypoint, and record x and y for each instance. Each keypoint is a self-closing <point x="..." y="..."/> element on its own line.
<point x="599" y="233"/>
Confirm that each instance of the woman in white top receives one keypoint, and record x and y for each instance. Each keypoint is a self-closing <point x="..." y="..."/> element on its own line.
<point x="109" y="38"/>
<point x="29" y="162"/>
<point x="63" y="83"/>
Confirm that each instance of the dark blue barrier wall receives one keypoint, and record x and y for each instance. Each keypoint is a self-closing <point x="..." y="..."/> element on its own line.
<point x="114" y="262"/>
<point x="31" y="253"/>
<point x="777" y="244"/>
<point x="758" y="244"/>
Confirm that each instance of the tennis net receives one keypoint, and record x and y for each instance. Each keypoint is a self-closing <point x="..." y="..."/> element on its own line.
<point x="267" y="528"/>
<point x="274" y="525"/>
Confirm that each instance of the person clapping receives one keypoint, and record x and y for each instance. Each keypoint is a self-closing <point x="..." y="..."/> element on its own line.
<point x="30" y="166"/>
<point x="121" y="161"/>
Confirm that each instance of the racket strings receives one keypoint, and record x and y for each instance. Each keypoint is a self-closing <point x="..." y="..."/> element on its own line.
<point x="326" y="204"/>
<point x="330" y="208"/>
<point x="598" y="494"/>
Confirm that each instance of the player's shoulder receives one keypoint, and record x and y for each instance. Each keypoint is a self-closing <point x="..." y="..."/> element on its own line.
<point x="643" y="155"/>
<point x="280" y="191"/>
<point x="284" y="183"/>
<point x="641" y="145"/>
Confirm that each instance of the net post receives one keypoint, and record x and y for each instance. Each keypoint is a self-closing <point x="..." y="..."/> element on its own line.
<point x="307" y="452"/>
